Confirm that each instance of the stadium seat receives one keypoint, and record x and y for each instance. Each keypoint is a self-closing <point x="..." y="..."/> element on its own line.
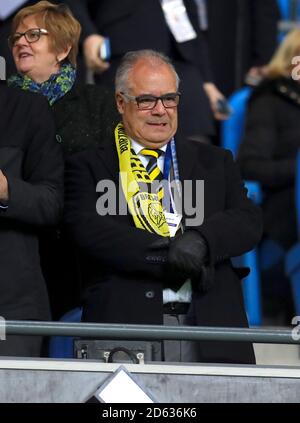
<point x="289" y="12"/>
<point x="232" y="129"/>
<point x="292" y="263"/>
<point x="289" y="9"/>
<point x="269" y="253"/>
<point x="285" y="9"/>
<point x="62" y="346"/>
<point x="231" y="134"/>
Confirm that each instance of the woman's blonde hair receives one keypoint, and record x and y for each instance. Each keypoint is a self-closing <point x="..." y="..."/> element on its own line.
<point x="281" y="63"/>
<point x="58" y="20"/>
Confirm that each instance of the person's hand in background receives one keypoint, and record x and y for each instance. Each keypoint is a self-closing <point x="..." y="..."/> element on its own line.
<point x="214" y="95"/>
<point x="256" y="74"/>
<point x="91" y="50"/>
<point x="3" y="187"/>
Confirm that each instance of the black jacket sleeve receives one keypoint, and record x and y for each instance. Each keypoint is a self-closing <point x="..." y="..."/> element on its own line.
<point x="37" y="198"/>
<point x="202" y="57"/>
<point x="256" y="155"/>
<point x="265" y="17"/>
<point x="238" y="228"/>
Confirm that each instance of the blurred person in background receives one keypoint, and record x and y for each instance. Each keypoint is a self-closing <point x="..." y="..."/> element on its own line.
<point x="175" y="28"/>
<point x="31" y="199"/>
<point x="269" y="150"/>
<point x="44" y="44"/>
<point x="242" y="39"/>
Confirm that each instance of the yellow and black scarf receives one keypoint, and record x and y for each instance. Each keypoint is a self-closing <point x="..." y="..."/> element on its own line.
<point x="144" y="206"/>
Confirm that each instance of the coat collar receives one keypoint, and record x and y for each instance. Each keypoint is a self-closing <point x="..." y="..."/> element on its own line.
<point x="186" y="154"/>
<point x="187" y="157"/>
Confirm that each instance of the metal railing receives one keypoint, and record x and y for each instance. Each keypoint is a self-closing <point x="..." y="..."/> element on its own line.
<point x="151" y="332"/>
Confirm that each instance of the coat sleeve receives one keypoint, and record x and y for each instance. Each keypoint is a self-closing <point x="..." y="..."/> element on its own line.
<point x="265" y="18"/>
<point x="202" y="57"/>
<point x="118" y="246"/>
<point x="37" y="198"/>
<point x="238" y="228"/>
<point x="256" y="156"/>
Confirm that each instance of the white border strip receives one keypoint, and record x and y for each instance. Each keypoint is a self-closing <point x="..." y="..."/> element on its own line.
<point x="158" y="368"/>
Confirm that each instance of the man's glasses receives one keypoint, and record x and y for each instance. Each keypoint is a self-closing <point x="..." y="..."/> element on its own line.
<point x="32" y="36"/>
<point x="148" y="102"/>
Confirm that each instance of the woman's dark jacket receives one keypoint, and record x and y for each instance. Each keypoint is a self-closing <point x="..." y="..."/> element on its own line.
<point x="268" y="153"/>
<point x="84" y="117"/>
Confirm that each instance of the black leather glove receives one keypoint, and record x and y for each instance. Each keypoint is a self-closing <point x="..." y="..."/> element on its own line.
<point x="158" y="254"/>
<point x="188" y="253"/>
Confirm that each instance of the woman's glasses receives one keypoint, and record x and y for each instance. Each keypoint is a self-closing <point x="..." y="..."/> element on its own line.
<point x="31" y="35"/>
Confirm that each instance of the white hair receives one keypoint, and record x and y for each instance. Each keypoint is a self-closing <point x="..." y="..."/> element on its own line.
<point x="131" y="58"/>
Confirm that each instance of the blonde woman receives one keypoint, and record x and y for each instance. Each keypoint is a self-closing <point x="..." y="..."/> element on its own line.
<point x="272" y="140"/>
<point x="268" y="155"/>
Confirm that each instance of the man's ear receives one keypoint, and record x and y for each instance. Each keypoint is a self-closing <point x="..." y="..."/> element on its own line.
<point x="120" y="103"/>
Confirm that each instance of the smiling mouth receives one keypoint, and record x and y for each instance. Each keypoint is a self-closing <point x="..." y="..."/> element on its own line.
<point x="24" y="55"/>
<point x="159" y="125"/>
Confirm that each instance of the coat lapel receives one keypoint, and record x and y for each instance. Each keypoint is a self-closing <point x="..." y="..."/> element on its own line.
<point x="187" y="158"/>
<point x="191" y="168"/>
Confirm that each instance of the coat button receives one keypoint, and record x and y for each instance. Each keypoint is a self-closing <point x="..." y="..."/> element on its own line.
<point x="59" y="139"/>
<point x="150" y="294"/>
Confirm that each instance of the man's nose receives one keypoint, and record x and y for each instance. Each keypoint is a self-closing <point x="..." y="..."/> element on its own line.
<point x="159" y="108"/>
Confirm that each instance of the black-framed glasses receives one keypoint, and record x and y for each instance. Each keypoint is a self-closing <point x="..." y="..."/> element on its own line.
<point x="148" y="102"/>
<point x="32" y="36"/>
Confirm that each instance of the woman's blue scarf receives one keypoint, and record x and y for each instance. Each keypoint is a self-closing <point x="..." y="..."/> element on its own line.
<point x="54" y="88"/>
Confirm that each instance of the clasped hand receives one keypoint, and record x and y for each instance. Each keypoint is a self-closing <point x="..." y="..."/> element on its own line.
<point x="3" y="187"/>
<point x="187" y="253"/>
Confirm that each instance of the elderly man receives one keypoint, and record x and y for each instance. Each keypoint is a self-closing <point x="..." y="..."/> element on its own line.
<point x="160" y="262"/>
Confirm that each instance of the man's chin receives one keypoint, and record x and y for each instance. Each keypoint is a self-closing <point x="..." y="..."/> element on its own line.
<point x="155" y="142"/>
<point x="159" y="137"/>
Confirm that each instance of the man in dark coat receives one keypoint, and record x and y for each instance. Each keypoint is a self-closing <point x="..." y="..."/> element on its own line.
<point x="31" y="186"/>
<point x="242" y="37"/>
<point x="132" y="25"/>
<point x="134" y="271"/>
